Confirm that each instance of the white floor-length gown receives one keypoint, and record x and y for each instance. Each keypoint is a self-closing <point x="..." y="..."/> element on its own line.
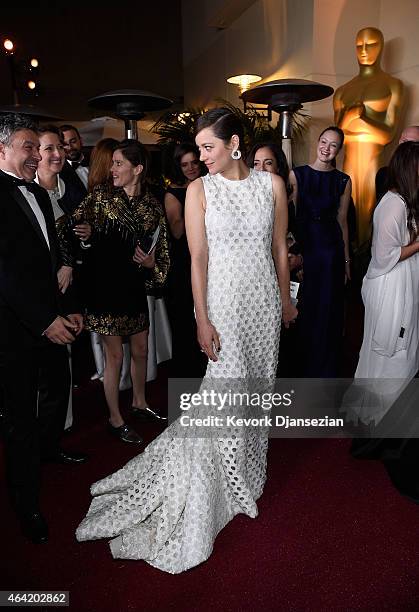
<point x="168" y="504"/>
<point x="390" y="291"/>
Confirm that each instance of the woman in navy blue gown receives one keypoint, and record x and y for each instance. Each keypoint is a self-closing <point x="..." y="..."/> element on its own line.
<point x="321" y="195"/>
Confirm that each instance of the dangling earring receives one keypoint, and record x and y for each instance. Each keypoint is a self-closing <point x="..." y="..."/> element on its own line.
<point x="236" y="154"/>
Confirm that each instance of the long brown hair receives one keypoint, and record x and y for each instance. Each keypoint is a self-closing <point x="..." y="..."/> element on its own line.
<point x="101" y="162"/>
<point x="403" y="178"/>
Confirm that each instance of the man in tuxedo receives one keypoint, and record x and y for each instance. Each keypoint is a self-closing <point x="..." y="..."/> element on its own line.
<point x="36" y="323"/>
<point x="76" y="169"/>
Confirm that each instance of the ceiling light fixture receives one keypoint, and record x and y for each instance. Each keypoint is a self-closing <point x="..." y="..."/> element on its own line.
<point x="243" y="81"/>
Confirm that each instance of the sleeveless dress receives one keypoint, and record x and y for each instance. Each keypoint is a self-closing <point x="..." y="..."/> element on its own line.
<point x="187" y="359"/>
<point x="322" y="294"/>
<point x="167" y="505"/>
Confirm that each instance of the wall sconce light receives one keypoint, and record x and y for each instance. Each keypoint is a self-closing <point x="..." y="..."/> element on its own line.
<point x="243" y="81"/>
<point x="23" y="75"/>
<point x="8" y="46"/>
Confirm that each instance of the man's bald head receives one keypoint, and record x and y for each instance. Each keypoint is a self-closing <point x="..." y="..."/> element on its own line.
<point x="411" y="133"/>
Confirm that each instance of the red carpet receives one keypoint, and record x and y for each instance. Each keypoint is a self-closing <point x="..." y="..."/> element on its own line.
<point x="332" y="534"/>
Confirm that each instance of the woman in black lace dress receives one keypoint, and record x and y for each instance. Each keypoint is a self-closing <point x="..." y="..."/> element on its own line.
<point x="118" y="271"/>
<point x="188" y="360"/>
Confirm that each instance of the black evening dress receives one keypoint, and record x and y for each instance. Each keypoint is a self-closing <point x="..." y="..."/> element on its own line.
<point x="321" y="242"/>
<point x="115" y="287"/>
<point x="188" y="360"/>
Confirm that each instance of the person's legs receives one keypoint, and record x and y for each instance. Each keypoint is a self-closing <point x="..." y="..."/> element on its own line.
<point x="125" y="380"/>
<point x="139" y="350"/>
<point x="97" y="350"/>
<point x="113" y="361"/>
<point x="19" y="380"/>
<point x="54" y="389"/>
<point x="112" y="346"/>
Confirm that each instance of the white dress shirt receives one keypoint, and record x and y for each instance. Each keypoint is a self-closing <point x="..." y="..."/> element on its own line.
<point x="30" y="198"/>
<point x="82" y="172"/>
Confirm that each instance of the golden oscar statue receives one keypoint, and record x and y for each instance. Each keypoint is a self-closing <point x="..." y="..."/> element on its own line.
<point x="367" y="108"/>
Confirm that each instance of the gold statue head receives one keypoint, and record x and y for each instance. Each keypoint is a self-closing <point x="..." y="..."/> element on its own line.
<point x="369" y="45"/>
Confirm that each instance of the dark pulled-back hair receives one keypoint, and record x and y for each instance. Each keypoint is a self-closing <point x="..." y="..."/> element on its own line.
<point x="174" y="170"/>
<point x="223" y="122"/>
<point x="136" y="153"/>
<point x="66" y="127"/>
<point x="49" y="128"/>
<point x="403" y="178"/>
<point x="334" y="128"/>
<point x="277" y="153"/>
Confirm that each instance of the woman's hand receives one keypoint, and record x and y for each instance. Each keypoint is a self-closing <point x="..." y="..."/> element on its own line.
<point x="65" y="278"/>
<point x="208" y="340"/>
<point x="146" y="260"/>
<point x="83" y="231"/>
<point x="294" y="261"/>
<point x="77" y="320"/>
<point x="289" y="314"/>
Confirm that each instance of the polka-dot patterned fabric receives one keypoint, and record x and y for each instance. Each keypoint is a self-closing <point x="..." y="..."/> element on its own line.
<point x="167" y="505"/>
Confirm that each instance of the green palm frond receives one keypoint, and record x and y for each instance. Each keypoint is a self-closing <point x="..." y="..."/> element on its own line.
<point x="174" y="127"/>
<point x="300" y="124"/>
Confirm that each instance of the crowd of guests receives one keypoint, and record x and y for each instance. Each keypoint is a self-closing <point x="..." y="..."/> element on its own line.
<point x="115" y="242"/>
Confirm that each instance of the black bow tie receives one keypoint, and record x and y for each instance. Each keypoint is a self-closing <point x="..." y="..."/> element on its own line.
<point x="75" y="165"/>
<point x="22" y="183"/>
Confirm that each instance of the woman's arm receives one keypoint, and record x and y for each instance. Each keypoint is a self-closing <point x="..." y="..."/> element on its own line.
<point x="198" y="247"/>
<point x="409" y="250"/>
<point x="343" y="222"/>
<point x="294" y="188"/>
<point x="66" y="235"/>
<point x="161" y="264"/>
<point x="389" y="235"/>
<point x="67" y="239"/>
<point x="280" y="248"/>
<point x="150" y="216"/>
<point x="174" y="215"/>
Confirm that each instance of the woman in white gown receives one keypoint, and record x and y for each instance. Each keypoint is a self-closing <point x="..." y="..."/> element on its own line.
<point x="167" y="505"/>
<point x="390" y="291"/>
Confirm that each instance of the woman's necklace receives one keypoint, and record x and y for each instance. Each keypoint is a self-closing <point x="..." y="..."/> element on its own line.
<point x="133" y="196"/>
<point x="55" y="192"/>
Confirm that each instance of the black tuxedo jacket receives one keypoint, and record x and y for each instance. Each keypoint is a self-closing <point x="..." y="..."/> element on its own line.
<point x="29" y="296"/>
<point x="75" y="191"/>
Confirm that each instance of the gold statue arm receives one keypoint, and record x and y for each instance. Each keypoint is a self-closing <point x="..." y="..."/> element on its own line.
<point x="361" y="117"/>
<point x="383" y="130"/>
<point x="345" y="115"/>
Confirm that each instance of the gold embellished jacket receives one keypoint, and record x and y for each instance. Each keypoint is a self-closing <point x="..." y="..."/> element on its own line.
<point x="108" y="210"/>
